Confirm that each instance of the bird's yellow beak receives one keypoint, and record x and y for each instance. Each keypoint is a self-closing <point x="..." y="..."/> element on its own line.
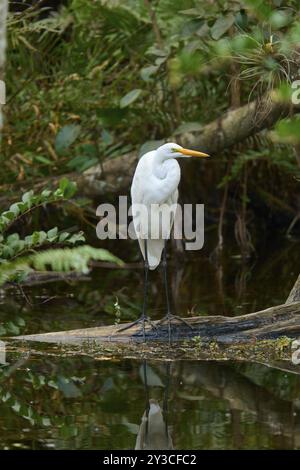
<point x="192" y="153"/>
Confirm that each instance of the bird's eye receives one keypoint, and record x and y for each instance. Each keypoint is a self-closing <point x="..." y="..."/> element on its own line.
<point x="173" y="150"/>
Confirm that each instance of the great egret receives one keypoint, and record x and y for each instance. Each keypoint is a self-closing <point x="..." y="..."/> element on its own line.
<point x="154" y="189"/>
<point x="154" y="432"/>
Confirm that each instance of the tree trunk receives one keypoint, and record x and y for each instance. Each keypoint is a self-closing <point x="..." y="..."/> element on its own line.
<point x="233" y="127"/>
<point x="294" y="295"/>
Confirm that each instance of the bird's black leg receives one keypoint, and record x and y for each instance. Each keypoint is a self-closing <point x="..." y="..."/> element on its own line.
<point x="146" y="269"/>
<point x="169" y="316"/>
<point x="144" y="317"/>
<point x="147" y="400"/>
<point x="166" y="397"/>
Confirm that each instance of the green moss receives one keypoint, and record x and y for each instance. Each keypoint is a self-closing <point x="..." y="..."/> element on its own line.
<point x="195" y="349"/>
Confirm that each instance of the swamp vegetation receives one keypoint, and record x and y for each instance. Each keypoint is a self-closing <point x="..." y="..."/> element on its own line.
<point x="91" y="85"/>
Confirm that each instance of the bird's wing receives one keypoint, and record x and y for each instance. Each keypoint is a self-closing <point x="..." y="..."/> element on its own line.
<point x="139" y="197"/>
<point x="161" y="232"/>
<point x="154" y="251"/>
<point x="173" y="203"/>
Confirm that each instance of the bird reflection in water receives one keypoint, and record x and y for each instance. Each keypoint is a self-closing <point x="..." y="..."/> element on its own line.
<point x="3" y="353"/>
<point x="154" y="433"/>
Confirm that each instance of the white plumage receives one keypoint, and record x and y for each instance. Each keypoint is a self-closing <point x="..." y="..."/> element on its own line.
<point x="154" y="194"/>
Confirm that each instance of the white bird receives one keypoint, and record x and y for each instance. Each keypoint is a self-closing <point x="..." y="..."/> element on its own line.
<point x="154" y="194"/>
<point x="153" y="432"/>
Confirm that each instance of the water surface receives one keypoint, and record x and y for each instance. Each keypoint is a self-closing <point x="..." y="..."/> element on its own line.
<point x="79" y="402"/>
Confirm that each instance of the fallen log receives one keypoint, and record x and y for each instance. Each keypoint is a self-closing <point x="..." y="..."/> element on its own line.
<point x="294" y="295"/>
<point x="272" y="323"/>
<point x="265" y="336"/>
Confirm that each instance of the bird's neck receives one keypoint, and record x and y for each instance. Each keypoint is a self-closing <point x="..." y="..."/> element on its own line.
<point x="162" y="165"/>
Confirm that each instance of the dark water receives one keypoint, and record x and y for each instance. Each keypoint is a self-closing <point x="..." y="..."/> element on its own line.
<point x="56" y="402"/>
<point x="81" y="403"/>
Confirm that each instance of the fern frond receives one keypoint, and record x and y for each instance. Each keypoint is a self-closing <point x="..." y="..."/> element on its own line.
<point x="71" y="259"/>
<point x="59" y="260"/>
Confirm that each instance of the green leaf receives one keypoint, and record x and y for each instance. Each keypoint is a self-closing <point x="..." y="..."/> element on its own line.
<point x="128" y="99"/>
<point x="42" y="159"/>
<point x="26" y="198"/>
<point x="42" y="236"/>
<point x="66" y="137"/>
<point x="106" y="137"/>
<point x="77" y="237"/>
<point x="58" y="193"/>
<point x="16" y="406"/>
<point x="147" y="72"/>
<point x="288" y="130"/>
<point x="7" y="252"/>
<point x="28" y="240"/>
<point x="222" y="25"/>
<point x="9" y="215"/>
<point x="110" y="116"/>
<point x="193" y="12"/>
<point x="46" y="193"/>
<point x="34" y="239"/>
<point x="153" y="50"/>
<point x="20" y="321"/>
<point x="67" y="187"/>
<point x="260" y="7"/>
<point x="52" y="233"/>
<point x="12" y="238"/>
<point x="82" y="162"/>
<point x="63" y="236"/>
<point x="2" y="330"/>
<point x="15" y="209"/>
<point x="12" y="328"/>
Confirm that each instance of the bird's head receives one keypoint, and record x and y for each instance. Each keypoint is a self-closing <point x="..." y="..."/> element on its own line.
<point x="172" y="150"/>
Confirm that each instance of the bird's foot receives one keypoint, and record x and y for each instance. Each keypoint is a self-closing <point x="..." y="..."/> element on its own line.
<point x="143" y="320"/>
<point x="169" y="318"/>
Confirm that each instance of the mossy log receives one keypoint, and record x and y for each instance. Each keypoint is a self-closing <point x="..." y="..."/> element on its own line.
<point x="272" y="323"/>
<point x="265" y="336"/>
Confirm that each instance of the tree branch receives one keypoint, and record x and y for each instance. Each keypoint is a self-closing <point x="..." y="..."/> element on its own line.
<point x="232" y="127"/>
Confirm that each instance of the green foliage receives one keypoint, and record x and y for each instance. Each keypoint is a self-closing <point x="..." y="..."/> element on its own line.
<point x="13" y="246"/>
<point x="100" y="78"/>
<point x="14" y="265"/>
<point x="31" y="201"/>
<point x="129" y="98"/>
<point x="108" y="56"/>
<point x="67" y="259"/>
<point x="66" y="136"/>
<point x="58" y="260"/>
<point x="288" y="130"/>
<point x="279" y="157"/>
<point x="12" y="327"/>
